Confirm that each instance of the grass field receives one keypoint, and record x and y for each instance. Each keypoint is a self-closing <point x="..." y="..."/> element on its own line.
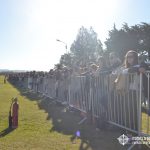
<point x="46" y="126"/>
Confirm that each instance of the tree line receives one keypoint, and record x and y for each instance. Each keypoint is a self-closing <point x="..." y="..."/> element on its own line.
<point x="88" y="48"/>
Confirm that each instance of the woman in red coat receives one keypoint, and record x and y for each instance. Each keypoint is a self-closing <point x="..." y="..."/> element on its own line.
<point x="15" y="109"/>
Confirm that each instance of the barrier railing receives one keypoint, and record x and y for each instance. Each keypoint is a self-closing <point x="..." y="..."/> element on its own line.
<point x="125" y="103"/>
<point x="78" y="93"/>
<point x="145" y="118"/>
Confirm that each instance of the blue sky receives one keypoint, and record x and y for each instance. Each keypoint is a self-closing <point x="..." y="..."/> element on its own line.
<point x="29" y="28"/>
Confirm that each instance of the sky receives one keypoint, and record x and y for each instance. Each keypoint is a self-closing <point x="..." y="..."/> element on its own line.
<point x="29" y="28"/>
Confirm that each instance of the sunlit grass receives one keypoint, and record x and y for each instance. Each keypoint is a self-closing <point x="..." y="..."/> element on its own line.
<point x="46" y="126"/>
<point x="145" y="126"/>
<point x="34" y="128"/>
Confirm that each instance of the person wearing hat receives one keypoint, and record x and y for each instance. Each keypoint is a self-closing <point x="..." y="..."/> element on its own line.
<point x="15" y="108"/>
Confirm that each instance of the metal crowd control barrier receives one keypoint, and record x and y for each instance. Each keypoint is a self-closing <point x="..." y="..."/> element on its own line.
<point x="51" y="91"/>
<point x="99" y="95"/>
<point x="43" y="85"/>
<point x="62" y="91"/>
<point x="40" y="85"/>
<point x="121" y="104"/>
<point x="125" y="104"/>
<point x="144" y="119"/>
<point x="90" y="95"/>
<point x="144" y="110"/>
<point x="145" y="128"/>
<point x="25" y="82"/>
<point x="34" y="84"/>
<point x="30" y="82"/>
<point x="79" y="93"/>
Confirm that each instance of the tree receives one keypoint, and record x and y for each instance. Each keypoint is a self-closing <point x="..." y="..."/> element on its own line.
<point x="86" y="47"/>
<point x="116" y="42"/>
<point x="136" y="37"/>
<point x="145" y="37"/>
<point x="66" y="60"/>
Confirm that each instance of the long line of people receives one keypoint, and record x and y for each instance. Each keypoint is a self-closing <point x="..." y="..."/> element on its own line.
<point x="123" y="109"/>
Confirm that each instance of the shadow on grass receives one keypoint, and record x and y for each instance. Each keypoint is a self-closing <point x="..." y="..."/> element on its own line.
<point x="5" y="132"/>
<point x="24" y="92"/>
<point x="66" y="122"/>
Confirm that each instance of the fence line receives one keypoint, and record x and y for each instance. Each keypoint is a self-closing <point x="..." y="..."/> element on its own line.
<point x="125" y="104"/>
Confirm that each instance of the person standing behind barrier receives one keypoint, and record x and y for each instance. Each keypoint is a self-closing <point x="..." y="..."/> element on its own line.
<point x="114" y="62"/>
<point x="93" y="71"/>
<point x="102" y="64"/>
<point x="114" y="68"/>
<point x="103" y="73"/>
<point x="58" y="76"/>
<point x="15" y="108"/>
<point x="101" y="92"/>
<point x="130" y="106"/>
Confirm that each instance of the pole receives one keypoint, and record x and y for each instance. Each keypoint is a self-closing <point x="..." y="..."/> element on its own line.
<point x="63" y="43"/>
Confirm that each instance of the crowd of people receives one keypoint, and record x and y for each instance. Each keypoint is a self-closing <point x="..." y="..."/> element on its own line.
<point x="112" y="67"/>
<point x="60" y="72"/>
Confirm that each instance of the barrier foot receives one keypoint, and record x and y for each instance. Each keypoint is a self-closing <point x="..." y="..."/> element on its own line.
<point x="80" y="122"/>
<point x="64" y="103"/>
<point x="52" y="102"/>
<point x="69" y="108"/>
<point x="41" y="95"/>
<point x="44" y="97"/>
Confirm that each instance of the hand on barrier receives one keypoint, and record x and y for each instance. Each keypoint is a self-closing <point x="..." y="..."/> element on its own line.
<point x="142" y="70"/>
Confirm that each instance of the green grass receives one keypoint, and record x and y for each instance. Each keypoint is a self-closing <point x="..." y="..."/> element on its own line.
<point x="145" y="126"/>
<point x="34" y="128"/>
<point x="47" y="126"/>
